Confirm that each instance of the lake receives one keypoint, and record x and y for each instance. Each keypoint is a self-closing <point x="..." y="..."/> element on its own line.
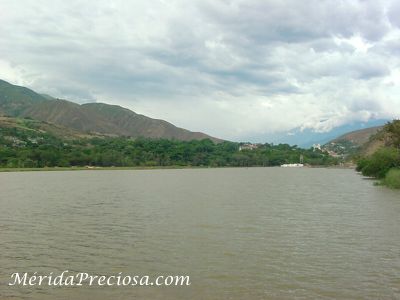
<point x="244" y="233"/>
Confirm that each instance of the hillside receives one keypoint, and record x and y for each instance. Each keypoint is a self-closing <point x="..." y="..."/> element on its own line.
<point x="35" y="127"/>
<point x="15" y="99"/>
<point x="357" y="141"/>
<point x="359" y="137"/>
<point x="132" y="124"/>
<point x="380" y="156"/>
<point x="90" y="118"/>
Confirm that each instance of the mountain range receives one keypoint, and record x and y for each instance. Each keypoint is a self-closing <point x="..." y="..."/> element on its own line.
<point x="90" y="118"/>
<point x="99" y="119"/>
<point x="307" y="137"/>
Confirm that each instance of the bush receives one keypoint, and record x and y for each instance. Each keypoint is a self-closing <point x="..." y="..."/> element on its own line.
<point x="361" y="163"/>
<point x="379" y="163"/>
<point x="392" y="179"/>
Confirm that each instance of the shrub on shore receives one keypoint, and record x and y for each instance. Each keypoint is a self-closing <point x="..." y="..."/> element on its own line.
<point x="392" y="179"/>
<point x="378" y="164"/>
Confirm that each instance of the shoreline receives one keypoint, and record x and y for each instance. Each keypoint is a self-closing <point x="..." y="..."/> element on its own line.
<point x="55" y="169"/>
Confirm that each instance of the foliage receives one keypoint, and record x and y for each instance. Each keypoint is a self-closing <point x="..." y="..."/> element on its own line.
<point x="379" y="163"/>
<point x="24" y="147"/>
<point x="393" y="130"/>
<point x="392" y="179"/>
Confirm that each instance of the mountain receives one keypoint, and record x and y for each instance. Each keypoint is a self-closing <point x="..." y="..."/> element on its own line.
<point x="359" y="137"/>
<point x="15" y="99"/>
<point x="307" y="137"/>
<point x="35" y="127"/>
<point x="363" y="141"/>
<point x="90" y="118"/>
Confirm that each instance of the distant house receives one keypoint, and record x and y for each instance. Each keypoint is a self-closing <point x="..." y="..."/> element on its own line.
<point x="16" y="142"/>
<point x="316" y="147"/>
<point x="248" y="146"/>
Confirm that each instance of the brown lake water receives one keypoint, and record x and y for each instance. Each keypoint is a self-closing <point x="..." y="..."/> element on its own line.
<point x="256" y="233"/>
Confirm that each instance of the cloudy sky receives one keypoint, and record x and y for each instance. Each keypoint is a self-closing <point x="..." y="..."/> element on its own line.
<point x="236" y="69"/>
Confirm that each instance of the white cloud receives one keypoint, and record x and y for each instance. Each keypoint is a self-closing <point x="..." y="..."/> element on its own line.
<point x="234" y="69"/>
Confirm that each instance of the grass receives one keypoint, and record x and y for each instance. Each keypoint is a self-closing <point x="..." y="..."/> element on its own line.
<point x="392" y="179"/>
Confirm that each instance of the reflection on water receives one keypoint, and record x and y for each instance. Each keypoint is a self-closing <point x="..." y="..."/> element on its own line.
<point x="257" y="233"/>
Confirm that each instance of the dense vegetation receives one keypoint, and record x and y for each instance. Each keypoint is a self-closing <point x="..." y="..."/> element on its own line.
<point x="392" y="179"/>
<point x="385" y="163"/>
<point x="27" y="147"/>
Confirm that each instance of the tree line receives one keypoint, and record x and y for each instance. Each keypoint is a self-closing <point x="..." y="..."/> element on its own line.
<point x="21" y="148"/>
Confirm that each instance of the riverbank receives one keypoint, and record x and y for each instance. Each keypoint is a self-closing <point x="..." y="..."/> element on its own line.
<point x="94" y="168"/>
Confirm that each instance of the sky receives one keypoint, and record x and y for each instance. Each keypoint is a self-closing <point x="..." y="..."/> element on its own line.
<point x="235" y="69"/>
